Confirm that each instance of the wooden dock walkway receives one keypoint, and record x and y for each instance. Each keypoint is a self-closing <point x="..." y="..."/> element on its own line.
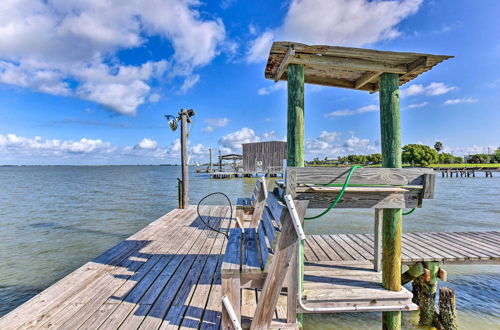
<point x="168" y="276"/>
<point x="445" y="247"/>
<point x="164" y="276"/>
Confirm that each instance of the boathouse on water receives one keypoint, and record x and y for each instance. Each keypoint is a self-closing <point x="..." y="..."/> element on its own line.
<point x="264" y="157"/>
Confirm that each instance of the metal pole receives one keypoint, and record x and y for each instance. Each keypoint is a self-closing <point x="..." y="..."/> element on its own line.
<point x="184" y="159"/>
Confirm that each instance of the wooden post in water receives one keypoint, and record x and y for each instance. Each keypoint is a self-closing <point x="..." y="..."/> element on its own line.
<point x="447" y="309"/>
<point x="220" y="160"/>
<point x="295" y="132"/>
<point x="392" y="218"/>
<point x="210" y="163"/>
<point x="184" y="158"/>
<point x="427" y="296"/>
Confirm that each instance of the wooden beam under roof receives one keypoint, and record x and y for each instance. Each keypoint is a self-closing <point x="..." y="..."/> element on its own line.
<point x="346" y="63"/>
<point x="284" y="63"/>
<point x="365" y="79"/>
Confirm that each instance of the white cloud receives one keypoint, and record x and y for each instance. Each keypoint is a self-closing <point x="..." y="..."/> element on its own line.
<point x="434" y="88"/>
<point x="330" y="144"/>
<point x="147" y="144"/>
<point x="217" y="122"/>
<point x="328" y="137"/>
<point x="69" y="47"/>
<point x="37" y="150"/>
<point x="356" y="142"/>
<point x="259" y="48"/>
<point x="208" y="129"/>
<point x="463" y="100"/>
<point x="281" y="85"/>
<point x="417" y="105"/>
<point x="349" y="112"/>
<point x="271" y="135"/>
<point x="188" y="83"/>
<point x="154" y="97"/>
<point x="350" y="22"/>
<point x="214" y="123"/>
<point x="233" y="141"/>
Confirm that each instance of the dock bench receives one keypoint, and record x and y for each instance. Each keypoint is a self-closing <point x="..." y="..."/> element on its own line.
<point x="252" y="207"/>
<point x="253" y="253"/>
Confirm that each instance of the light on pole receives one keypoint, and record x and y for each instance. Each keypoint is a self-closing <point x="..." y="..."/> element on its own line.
<point x="184" y="116"/>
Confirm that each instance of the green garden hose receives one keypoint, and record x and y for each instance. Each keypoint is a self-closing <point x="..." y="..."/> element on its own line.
<point x="344" y="186"/>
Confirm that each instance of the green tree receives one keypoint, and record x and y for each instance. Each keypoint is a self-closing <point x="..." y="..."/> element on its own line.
<point x="419" y="154"/>
<point x="446" y="158"/>
<point x="375" y="158"/>
<point x="438" y="146"/>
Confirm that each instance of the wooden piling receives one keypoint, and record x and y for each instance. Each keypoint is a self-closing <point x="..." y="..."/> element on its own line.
<point x="447" y="309"/>
<point x="427" y="296"/>
<point x="413" y="272"/>
<point x="295" y="133"/>
<point x="391" y="157"/>
<point x="210" y="163"/>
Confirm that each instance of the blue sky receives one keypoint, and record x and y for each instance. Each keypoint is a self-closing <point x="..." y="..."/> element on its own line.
<point x="88" y="82"/>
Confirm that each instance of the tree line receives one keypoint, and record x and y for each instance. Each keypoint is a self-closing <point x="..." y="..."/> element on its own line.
<point x="414" y="154"/>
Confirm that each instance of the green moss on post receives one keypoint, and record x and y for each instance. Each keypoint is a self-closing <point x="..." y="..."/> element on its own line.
<point x="427" y="297"/>
<point x="295" y="134"/>
<point x="392" y="218"/>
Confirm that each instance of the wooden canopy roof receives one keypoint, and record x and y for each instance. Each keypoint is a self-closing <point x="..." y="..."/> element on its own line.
<point x="354" y="68"/>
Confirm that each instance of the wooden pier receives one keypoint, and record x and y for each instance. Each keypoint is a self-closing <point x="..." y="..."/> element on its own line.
<point x="466" y="172"/>
<point x="168" y="276"/>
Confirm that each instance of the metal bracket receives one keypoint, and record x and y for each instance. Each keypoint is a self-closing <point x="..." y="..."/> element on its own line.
<point x="264" y="186"/>
<point x="295" y="217"/>
<point x="231" y="312"/>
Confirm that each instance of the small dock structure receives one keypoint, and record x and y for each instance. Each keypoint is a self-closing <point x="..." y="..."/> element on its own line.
<point x="466" y="172"/>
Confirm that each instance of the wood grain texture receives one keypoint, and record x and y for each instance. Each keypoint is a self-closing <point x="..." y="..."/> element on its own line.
<point x="367" y="175"/>
<point x="390" y="129"/>
<point x="295" y="119"/>
<point x="344" y="66"/>
<point x="278" y="270"/>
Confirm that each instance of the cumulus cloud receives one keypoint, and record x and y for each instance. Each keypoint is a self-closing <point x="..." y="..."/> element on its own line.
<point x="281" y="85"/>
<point x="346" y="24"/>
<point x="234" y="140"/>
<point x="70" y="47"/>
<point x="417" y="105"/>
<point x="349" y="112"/>
<point x="434" y="88"/>
<point x="86" y="151"/>
<point x="147" y="144"/>
<point x="331" y="145"/>
<point x="463" y="100"/>
<point x="214" y="123"/>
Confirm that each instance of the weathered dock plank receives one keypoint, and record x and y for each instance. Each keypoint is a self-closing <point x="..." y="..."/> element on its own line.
<point x="444" y="247"/>
<point x="164" y="276"/>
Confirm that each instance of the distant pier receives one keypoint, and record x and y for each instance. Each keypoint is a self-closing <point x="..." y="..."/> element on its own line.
<point x="466" y="172"/>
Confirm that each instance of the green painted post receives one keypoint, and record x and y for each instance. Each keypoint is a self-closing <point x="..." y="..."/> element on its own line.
<point x="392" y="218"/>
<point x="295" y="123"/>
<point x="295" y="134"/>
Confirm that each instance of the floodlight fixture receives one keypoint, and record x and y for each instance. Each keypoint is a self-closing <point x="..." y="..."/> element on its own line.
<point x="173" y="122"/>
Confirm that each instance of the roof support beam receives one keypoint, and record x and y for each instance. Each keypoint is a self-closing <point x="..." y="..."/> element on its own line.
<point x="366" y="78"/>
<point x="347" y="63"/>
<point x="417" y="64"/>
<point x="284" y="63"/>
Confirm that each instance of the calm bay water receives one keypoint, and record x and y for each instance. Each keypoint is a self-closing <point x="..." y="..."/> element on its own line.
<point x="54" y="219"/>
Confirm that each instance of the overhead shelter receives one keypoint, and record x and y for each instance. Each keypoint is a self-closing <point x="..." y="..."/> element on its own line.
<point x="353" y="68"/>
<point x="365" y="70"/>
